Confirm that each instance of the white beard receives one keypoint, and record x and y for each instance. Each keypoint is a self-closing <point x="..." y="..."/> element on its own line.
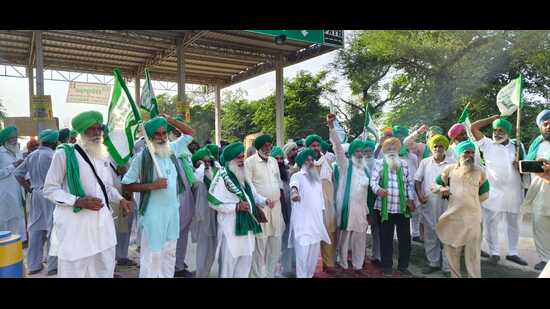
<point x="467" y="165"/>
<point x="95" y="148"/>
<point x="359" y="163"/>
<point x="161" y="150"/>
<point x="393" y="161"/>
<point x="500" y="140"/>
<point x="369" y="163"/>
<point x="311" y="174"/>
<point x="238" y="171"/>
<point x="13" y="148"/>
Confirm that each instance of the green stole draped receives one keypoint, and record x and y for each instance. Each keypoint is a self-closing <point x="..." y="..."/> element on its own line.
<point x="534" y="148"/>
<point x="384" y="181"/>
<point x="187" y="169"/>
<point x="344" y="217"/>
<point x="147" y="170"/>
<point x="245" y="221"/>
<point x="73" y="173"/>
<point x="403" y="151"/>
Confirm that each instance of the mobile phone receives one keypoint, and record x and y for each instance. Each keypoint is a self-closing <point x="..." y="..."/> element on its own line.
<point x="531" y="167"/>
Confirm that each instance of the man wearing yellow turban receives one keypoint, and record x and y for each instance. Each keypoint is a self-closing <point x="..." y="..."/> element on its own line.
<point x="432" y="205"/>
<point x="503" y="205"/>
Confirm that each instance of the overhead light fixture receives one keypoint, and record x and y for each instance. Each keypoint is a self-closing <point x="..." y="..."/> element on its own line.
<point x="280" y="39"/>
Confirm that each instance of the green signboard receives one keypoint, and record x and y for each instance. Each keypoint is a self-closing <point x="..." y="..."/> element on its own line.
<point x="308" y="36"/>
<point x="334" y="38"/>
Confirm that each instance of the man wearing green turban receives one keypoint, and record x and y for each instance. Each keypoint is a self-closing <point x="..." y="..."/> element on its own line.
<point x="214" y="150"/>
<point x="36" y="165"/>
<point x="237" y="204"/>
<point x="503" y="205"/>
<point x="465" y="186"/>
<point x="12" y="217"/>
<point x="166" y="200"/>
<point x="64" y="135"/>
<point x="432" y="205"/>
<point x="351" y="199"/>
<point x="203" y="226"/>
<point x="539" y="191"/>
<point x="324" y="167"/>
<point x="263" y="172"/>
<point x="81" y="206"/>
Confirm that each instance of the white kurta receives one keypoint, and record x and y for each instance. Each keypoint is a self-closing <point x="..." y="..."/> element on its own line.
<point x="505" y="181"/>
<point x="86" y="233"/>
<point x="11" y="196"/>
<point x="358" y="210"/>
<point x="306" y="221"/>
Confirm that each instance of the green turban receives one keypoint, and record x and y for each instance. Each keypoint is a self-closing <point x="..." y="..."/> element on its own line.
<point x="262" y="140"/>
<point x="200" y="154"/>
<point x="438" y="139"/>
<point x="73" y="133"/>
<point x="49" y="136"/>
<point x="171" y="128"/>
<point x="463" y="146"/>
<point x="300" y="142"/>
<point x="325" y="146"/>
<point x="64" y="135"/>
<point x="154" y="124"/>
<point x="400" y="132"/>
<point x="7" y="133"/>
<point x="354" y="146"/>
<point x="303" y="155"/>
<point x="370" y="144"/>
<point x="313" y="138"/>
<point x="84" y="120"/>
<point x="214" y="150"/>
<point x="504" y="124"/>
<point x="231" y="151"/>
<point x="277" y="152"/>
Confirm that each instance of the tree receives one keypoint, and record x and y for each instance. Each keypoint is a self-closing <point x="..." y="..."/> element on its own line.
<point x="237" y="114"/>
<point x="429" y="75"/>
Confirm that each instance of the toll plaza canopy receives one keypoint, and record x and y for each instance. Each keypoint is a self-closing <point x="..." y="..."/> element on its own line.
<point x="218" y="58"/>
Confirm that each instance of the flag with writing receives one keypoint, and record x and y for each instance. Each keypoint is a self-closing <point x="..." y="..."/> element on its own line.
<point x="148" y="100"/>
<point x="122" y="121"/>
<point x="509" y="98"/>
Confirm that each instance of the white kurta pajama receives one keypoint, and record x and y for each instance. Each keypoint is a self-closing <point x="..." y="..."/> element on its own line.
<point x="12" y="213"/>
<point x="265" y="177"/>
<point x="307" y="227"/>
<point x="235" y="250"/>
<point x="84" y="242"/>
<point x="538" y="200"/>
<point x="413" y="161"/>
<point x="433" y="209"/>
<point x="355" y="234"/>
<point x="506" y="195"/>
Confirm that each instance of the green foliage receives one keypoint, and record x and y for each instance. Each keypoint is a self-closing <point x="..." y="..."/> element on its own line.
<point x="414" y="76"/>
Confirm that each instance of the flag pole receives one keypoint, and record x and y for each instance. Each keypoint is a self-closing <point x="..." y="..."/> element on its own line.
<point x="518" y="120"/>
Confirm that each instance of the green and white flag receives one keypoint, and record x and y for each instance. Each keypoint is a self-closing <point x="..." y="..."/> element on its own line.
<point x="509" y="98"/>
<point x="148" y="100"/>
<point x="122" y="121"/>
<point x="369" y="127"/>
<point x="465" y="120"/>
<point x="340" y="131"/>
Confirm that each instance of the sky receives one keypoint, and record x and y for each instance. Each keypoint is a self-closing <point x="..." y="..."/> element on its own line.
<point x="14" y="92"/>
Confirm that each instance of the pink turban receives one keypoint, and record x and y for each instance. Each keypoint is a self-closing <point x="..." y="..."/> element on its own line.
<point x="456" y="130"/>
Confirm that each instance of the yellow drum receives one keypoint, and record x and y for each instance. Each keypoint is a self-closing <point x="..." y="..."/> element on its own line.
<point x="11" y="255"/>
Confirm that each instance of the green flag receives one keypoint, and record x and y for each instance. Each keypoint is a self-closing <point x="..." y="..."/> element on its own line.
<point x="509" y="98"/>
<point x="123" y="119"/>
<point x="369" y="126"/>
<point x="148" y="100"/>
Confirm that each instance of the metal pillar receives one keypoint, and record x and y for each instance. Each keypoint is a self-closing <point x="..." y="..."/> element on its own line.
<point x="30" y="77"/>
<point x="217" y="116"/>
<point x="39" y="63"/>
<point x="137" y="90"/>
<point x="279" y="105"/>
<point x="181" y="75"/>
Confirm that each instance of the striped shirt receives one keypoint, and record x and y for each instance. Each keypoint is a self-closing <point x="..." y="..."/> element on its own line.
<point x="393" y="186"/>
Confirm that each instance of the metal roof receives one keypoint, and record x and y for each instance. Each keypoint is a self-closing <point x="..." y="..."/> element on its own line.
<point x="212" y="57"/>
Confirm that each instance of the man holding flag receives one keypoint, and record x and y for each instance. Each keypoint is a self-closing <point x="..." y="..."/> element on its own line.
<point x="159" y="204"/>
<point x="506" y="186"/>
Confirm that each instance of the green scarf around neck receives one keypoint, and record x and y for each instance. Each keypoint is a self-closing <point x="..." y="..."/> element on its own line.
<point x="345" y="202"/>
<point x="72" y="173"/>
<point x="384" y="181"/>
<point x="187" y="169"/>
<point x="534" y="148"/>
<point x="244" y="219"/>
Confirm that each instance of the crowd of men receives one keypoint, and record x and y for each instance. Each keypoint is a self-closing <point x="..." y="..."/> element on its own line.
<point x="277" y="211"/>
